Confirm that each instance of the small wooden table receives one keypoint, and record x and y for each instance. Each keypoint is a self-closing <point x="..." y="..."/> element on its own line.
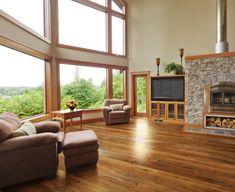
<point x="63" y="115"/>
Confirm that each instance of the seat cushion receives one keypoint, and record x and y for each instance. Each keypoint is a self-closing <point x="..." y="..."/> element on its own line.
<point x="79" y="139"/>
<point x="117" y="114"/>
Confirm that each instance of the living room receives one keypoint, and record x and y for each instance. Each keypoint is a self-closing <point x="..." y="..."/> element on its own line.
<point x="106" y="45"/>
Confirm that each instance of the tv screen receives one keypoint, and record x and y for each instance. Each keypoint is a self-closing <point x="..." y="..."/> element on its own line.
<point x="167" y="89"/>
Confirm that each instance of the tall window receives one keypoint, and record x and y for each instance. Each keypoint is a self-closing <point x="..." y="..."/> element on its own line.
<point x="87" y="85"/>
<point x="28" y="12"/>
<point x="81" y="26"/>
<point x="93" y="24"/>
<point x="22" y="80"/>
<point x="118" y="77"/>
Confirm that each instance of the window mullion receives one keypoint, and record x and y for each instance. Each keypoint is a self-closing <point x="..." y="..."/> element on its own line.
<point x="109" y="26"/>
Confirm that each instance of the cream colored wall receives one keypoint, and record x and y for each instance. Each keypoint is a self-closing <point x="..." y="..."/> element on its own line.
<point x="158" y="28"/>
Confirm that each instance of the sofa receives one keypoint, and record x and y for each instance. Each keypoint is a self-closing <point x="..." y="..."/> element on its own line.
<point x="113" y="114"/>
<point x="27" y="157"/>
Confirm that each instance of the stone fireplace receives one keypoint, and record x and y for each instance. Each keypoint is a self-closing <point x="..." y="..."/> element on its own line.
<point x="209" y="86"/>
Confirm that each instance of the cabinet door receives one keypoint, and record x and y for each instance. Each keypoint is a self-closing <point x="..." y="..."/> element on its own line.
<point x="180" y="111"/>
<point x="154" y="109"/>
<point x="171" y="111"/>
<point x="162" y="110"/>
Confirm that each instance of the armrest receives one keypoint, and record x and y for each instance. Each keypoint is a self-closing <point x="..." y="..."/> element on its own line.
<point x="106" y="109"/>
<point x="29" y="141"/>
<point x="126" y="107"/>
<point x="47" y="126"/>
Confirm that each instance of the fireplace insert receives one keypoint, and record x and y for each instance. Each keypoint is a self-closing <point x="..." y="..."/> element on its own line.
<point x="222" y="97"/>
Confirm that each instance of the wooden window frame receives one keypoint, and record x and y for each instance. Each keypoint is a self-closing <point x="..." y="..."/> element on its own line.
<point x="47" y="22"/>
<point x="108" y="10"/>
<point x="109" y="78"/>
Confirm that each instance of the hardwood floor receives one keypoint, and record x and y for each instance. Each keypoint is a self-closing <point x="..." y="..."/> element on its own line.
<point x="144" y="156"/>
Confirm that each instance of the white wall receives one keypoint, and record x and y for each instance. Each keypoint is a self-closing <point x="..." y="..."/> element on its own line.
<point x="158" y="28"/>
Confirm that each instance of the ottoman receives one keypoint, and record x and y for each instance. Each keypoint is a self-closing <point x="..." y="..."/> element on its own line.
<point x="80" y="148"/>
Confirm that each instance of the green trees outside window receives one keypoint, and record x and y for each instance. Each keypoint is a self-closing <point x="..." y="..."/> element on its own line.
<point x="21" y="83"/>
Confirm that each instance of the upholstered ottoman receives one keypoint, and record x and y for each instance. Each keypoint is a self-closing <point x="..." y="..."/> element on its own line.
<point x="80" y="148"/>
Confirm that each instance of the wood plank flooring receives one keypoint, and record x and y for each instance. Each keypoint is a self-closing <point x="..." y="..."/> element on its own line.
<point x="144" y="156"/>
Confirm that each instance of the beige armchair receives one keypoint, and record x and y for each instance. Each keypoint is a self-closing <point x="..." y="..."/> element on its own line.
<point x="27" y="157"/>
<point x="112" y="116"/>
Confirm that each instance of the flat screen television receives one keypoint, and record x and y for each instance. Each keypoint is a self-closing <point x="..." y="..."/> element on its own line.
<point x="167" y="88"/>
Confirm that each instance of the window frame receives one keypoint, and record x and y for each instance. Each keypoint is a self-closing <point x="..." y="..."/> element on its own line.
<point x="108" y="10"/>
<point x="46" y="20"/>
<point x="109" y="77"/>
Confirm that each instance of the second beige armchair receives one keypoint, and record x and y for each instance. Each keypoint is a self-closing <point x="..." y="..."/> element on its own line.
<point x="116" y="111"/>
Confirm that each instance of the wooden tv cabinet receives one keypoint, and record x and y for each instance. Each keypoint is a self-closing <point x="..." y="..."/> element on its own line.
<point x="168" y="111"/>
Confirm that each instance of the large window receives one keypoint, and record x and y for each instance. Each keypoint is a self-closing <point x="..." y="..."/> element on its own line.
<point x="28" y="12"/>
<point x="82" y="26"/>
<point x="86" y="85"/>
<point x="93" y="24"/>
<point x="22" y="80"/>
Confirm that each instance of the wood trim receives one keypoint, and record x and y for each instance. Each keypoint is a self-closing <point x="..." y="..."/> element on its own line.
<point x="37" y="118"/>
<point x="92" y="5"/>
<point x="109" y="23"/>
<point x="90" y="64"/>
<point x="88" y="50"/>
<point x="47" y="19"/>
<point x="109" y="83"/>
<point x="48" y="86"/>
<point x="209" y="56"/>
<point x="145" y="74"/>
<point x="23" y="26"/>
<point x="22" y="48"/>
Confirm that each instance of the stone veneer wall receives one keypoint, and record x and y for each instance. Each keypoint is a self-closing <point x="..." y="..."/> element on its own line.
<point x="200" y="72"/>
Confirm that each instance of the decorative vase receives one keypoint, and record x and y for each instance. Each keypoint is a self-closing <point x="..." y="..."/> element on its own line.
<point x="173" y="72"/>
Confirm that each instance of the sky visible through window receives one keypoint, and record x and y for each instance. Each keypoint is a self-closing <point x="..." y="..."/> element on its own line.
<point x="18" y="69"/>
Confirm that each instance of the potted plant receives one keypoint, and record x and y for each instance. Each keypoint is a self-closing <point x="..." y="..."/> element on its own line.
<point x="174" y="68"/>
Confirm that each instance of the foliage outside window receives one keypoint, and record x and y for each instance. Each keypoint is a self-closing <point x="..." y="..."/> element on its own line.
<point x="30" y="13"/>
<point x="93" y="25"/>
<point x="118" y="89"/>
<point x="22" y="80"/>
<point x="141" y="94"/>
<point x="86" y="85"/>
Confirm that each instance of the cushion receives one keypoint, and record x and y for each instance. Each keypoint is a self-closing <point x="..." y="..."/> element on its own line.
<point x="117" y="107"/>
<point x="8" y="123"/>
<point x="26" y="129"/>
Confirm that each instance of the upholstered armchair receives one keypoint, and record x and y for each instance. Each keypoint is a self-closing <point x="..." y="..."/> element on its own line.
<point x="116" y="111"/>
<point x="27" y="157"/>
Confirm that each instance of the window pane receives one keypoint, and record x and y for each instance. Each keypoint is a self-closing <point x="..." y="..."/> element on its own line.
<point x="101" y="2"/>
<point x="118" y="35"/>
<point x="21" y="83"/>
<point x="117" y="6"/>
<point x="81" y="26"/>
<point x="118" y="76"/>
<point x="87" y="85"/>
<point x="28" y="12"/>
